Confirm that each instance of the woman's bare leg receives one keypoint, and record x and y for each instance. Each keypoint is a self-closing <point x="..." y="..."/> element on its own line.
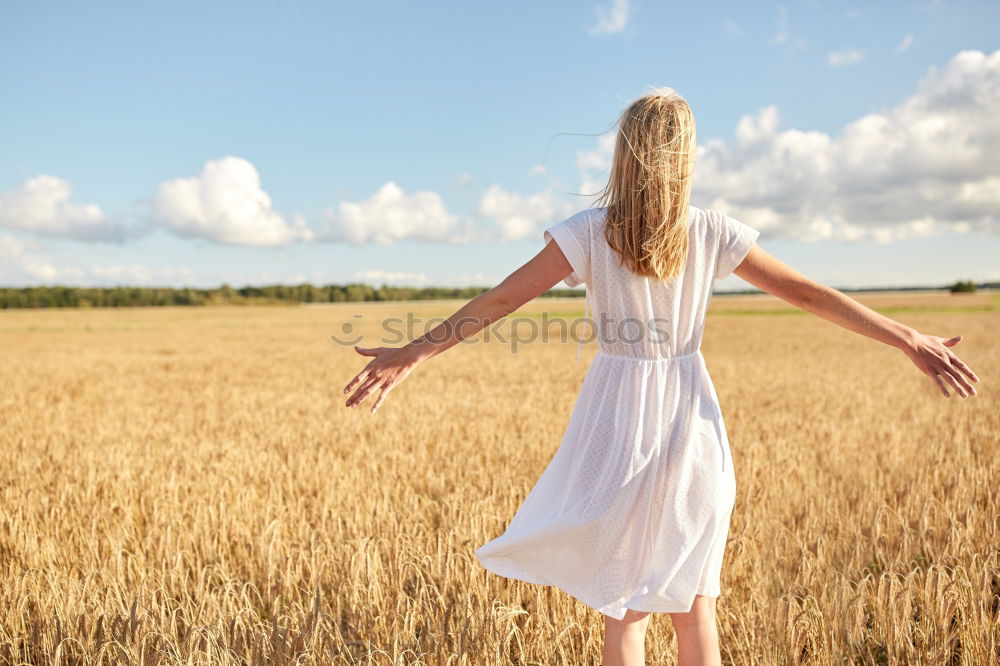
<point x="697" y="634"/>
<point x="625" y="639"/>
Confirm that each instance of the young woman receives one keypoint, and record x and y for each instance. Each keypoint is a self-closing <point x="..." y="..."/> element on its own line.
<point x="632" y="512"/>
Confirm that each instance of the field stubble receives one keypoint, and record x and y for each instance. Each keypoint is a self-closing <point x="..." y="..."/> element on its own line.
<point x="186" y="486"/>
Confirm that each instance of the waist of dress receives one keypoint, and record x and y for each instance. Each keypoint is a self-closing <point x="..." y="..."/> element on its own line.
<point x="651" y="359"/>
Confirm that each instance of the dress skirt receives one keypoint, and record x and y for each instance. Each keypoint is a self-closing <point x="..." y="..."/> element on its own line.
<point x="633" y="510"/>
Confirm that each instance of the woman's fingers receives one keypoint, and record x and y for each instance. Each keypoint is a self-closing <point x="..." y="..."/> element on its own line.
<point x="957" y="362"/>
<point x="940" y="383"/>
<point x="363" y="391"/>
<point x="361" y="376"/>
<point x="944" y="371"/>
<point x="969" y="388"/>
<point x="391" y="366"/>
<point x="381" y="396"/>
<point x="934" y="357"/>
<point x="965" y="388"/>
<point x="360" y="396"/>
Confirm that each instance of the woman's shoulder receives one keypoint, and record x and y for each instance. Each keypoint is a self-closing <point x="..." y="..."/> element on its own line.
<point x="709" y="220"/>
<point x="588" y="218"/>
<point x="697" y="213"/>
<point x="722" y="224"/>
<point x="592" y="214"/>
<point x="699" y="219"/>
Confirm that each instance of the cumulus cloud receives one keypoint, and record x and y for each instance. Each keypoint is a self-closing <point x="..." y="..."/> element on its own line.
<point x="926" y="165"/>
<point x="226" y="204"/>
<point x="123" y="274"/>
<point x="905" y="44"/>
<point x="22" y="262"/>
<point x="41" y="205"/>
<point x="518" y="216"/>
<point x="845" y="57"/>
<point x="391" y="215"/>
<point x="923" y="166"/>
<point x="137" y="274"/>
<point x="612" y="19"/>
<point x="16" y="264"/>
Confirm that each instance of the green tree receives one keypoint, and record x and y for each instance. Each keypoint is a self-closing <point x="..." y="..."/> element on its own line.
<point x="963" y="287"/>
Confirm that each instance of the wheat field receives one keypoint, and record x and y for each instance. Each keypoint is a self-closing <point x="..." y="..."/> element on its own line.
<point x="185" y="486"/>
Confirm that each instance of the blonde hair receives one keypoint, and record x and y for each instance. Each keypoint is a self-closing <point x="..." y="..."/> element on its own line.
<point x="649" y="187"/>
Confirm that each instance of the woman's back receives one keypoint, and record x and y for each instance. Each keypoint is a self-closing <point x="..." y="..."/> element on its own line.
<point x="644" y="317"/>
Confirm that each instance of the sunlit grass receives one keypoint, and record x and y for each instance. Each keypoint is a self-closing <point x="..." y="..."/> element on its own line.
<point x="184" y="485"/>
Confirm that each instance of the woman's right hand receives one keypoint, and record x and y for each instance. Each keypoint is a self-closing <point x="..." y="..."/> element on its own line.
<point x="932" y="354"/>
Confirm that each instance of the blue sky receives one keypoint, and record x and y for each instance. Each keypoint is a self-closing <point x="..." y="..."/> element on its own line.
<point x="431" y="143"/>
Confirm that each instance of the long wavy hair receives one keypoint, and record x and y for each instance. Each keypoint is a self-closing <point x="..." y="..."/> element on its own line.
<point x="649" y="187"/>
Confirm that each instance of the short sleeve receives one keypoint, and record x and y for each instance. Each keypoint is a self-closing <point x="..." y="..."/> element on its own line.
<point x="735" y="240"/>
<point x="573" y="237"/>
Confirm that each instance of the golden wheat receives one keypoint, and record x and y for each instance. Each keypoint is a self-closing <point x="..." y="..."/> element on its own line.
<point x="186" y="486"/>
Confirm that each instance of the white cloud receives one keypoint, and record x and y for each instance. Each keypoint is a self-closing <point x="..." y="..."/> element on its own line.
<point x="594" y="165"/>
<point x="520" y="216"/>
<point x="41" y="205"/>
<point x="10" y="248"/>
<point x="16" y="264"/>
<point x="133" y="274"/>
<point x="21" y="263"/>
<point x="226" y="204"/>
<point x="905" y="44"/>
<point x="923" y="166"/>
<point x="378" y="277"/>
<point x="473" y="280"/>
<point x="537" y="170"/>
<point x="391" y="215"/>
<point x="138" y="274"/>
<point x="845" y="57"/>
<point x="462" y="180"/>
<point x="611" y="20"/>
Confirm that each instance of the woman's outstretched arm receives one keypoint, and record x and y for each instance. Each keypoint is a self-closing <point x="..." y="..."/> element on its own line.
<point x="930" y="353"/>
<point x="391" y="365"/>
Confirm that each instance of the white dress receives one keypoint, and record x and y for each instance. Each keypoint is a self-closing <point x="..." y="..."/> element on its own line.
<point x="632" y="511"/>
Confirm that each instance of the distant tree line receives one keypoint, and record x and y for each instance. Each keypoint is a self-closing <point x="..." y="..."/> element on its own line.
<point x="103" y="297"/>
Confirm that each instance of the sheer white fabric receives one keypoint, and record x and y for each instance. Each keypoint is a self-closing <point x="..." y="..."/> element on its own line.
<point x="632" y="511"/>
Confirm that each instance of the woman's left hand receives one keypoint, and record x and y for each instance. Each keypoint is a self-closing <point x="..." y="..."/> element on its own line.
<point x="390" y="366"/>
<point x="933" y="355"/>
